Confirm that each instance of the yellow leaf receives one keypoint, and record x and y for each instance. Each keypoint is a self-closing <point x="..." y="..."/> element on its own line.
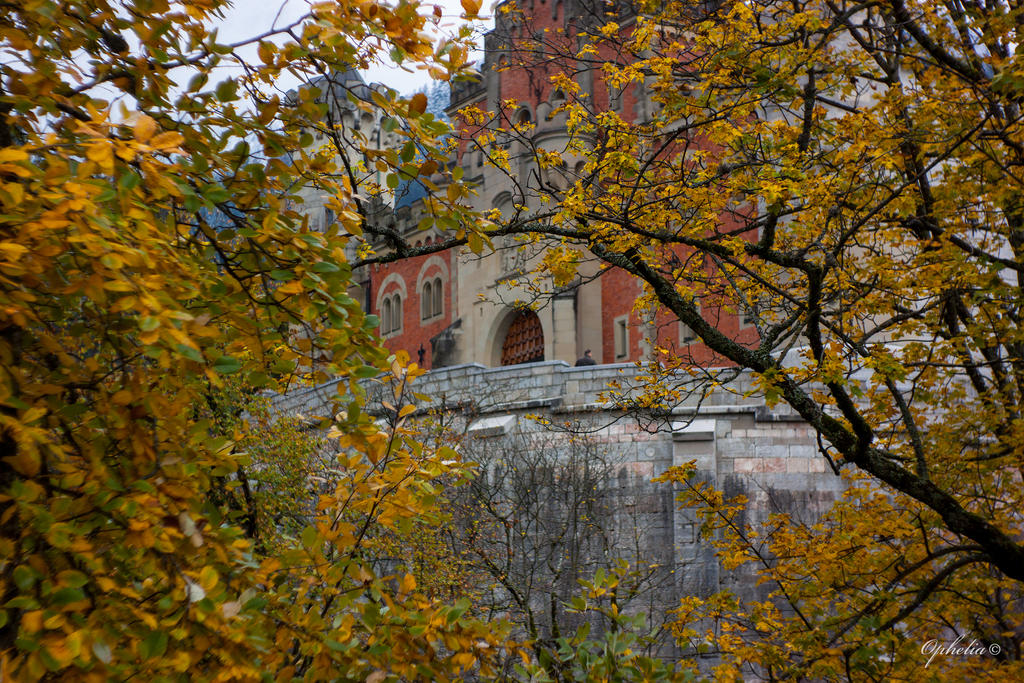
<point x="118" y="286"/>
<point x="167" y="141"/>
<point x="266" y="51"/>
<point x="15" y="191"/>
<point x="472" y="7"/>
<point x="102" y="153"/>
<point x="293" y="287"/>
<point x="26" y="461"/>
<point x="12" y="251"/>
<point x="208" y="578"/>
<point x="33" y="414"/>
<point x="32" y="622"/>
<point x="12" y="154"/>
<point x="145" y="127"/>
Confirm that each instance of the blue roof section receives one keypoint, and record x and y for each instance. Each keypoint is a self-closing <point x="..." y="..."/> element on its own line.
<point x="215" y="218"/>
<point x="409" y="192"/>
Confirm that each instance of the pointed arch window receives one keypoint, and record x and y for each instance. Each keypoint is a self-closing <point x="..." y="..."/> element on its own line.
<point x="391" y="315"/>
<point x="432" y="299"/>
<point x="427" y="301"/>
<point x="396" y="313"/>
<point x="438" y="299"/>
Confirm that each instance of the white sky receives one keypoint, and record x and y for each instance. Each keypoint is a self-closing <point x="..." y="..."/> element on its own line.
<point x="252" y="17"/>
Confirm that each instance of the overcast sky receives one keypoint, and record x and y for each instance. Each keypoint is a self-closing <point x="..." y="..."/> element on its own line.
<point x="252" y="17"/>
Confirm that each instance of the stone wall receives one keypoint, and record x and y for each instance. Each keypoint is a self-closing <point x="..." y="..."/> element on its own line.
<point x="739" y="444"/>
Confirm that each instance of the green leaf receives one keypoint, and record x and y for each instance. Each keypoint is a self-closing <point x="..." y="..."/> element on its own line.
<point x="283" y="366"/>
<point x="408" y="151"/>
<point x="365" y="371"/>
<point x="226" y="365"/>
<point x="259" y="379"/>
<point x="226" y="90"/>
<point x="190" y="353"/>
<point x="197" y="82"/>
<point x="66" y="596"/>
<point x="325" y="267"/>
<point x="456" y="611"/>
<point x="335" y="645"/>
<point x="22" y="602"/>
<point x="255" y="605"/>
<point x="309" y="537"/>
<point x="24" y="577"/>
<point x="216" y="193"/>
<point x="154" y="645"/>
<point x="129" y="180"/>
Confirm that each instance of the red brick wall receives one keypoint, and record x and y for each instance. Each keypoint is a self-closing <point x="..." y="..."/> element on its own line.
<point x="619" y="291"/>
<point x="529" y="83"/>
<point x="415" y="332"/>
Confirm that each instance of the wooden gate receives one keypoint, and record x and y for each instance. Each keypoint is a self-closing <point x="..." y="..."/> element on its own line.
<point x="524" y="341"/>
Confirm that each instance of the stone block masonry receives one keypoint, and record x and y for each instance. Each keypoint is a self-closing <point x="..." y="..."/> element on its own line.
<point x="739" y="445"/>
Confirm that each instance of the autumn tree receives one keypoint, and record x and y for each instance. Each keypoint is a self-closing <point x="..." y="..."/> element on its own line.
<point x="548" y="530"/>
<point x="152" y="262"/>
<point x="842" y="179"/>
<point x="550" y="509"/>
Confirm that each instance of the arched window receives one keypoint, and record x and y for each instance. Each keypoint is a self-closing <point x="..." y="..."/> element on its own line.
<point x="430" y="286"/>
<point x="426" y="302"/>
<point x="431" y="299"/>
<point x="390" y="295"/>
<point x="524" y="341"/>
<point x="391" y="315"/>
<point x="438" y="299"/>
<point x="396" y="313"/>
<point x="385" y="317"/>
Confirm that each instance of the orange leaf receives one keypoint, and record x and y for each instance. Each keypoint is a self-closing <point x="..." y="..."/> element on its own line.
<point x="418" y="104"/>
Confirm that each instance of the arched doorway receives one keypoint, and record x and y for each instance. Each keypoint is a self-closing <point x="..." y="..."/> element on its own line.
<point x="524" y="341"/>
